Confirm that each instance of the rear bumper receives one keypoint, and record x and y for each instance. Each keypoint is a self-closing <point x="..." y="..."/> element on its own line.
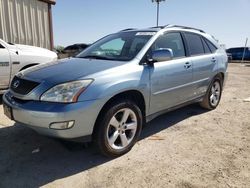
<point x="39" y="116"/>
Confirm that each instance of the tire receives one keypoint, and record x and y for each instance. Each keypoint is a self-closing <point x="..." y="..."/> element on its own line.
<point x="212" y="98"/>
<point x="118" y="128"/>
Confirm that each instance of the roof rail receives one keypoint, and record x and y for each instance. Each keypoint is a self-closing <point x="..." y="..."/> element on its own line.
<point x="184" y="27"/>
<point x="128" y="29"/>
<point x="161" y="27"/>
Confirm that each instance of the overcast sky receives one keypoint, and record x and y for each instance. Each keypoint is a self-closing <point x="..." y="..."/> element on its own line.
<point x="81" y="21"/>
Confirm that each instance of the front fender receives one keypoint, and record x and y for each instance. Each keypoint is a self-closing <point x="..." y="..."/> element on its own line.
<point x="128" y="85"/>
<point x="109" y="86"/>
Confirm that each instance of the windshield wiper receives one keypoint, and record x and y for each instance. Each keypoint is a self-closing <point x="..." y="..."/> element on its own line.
<point x="95" y="57"/>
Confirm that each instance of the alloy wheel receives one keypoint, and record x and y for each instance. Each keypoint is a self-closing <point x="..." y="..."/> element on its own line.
<point x="215" y="94"/>
<point x="121" y="129"/>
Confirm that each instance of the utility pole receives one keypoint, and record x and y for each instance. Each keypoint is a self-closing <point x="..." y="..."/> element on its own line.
<point x="158" y="10"/>
<point x="244" y="52"/>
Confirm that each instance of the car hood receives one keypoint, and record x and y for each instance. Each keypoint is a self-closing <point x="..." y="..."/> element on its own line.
<point x="35" y="50"/>
<point x="67" y="70"/>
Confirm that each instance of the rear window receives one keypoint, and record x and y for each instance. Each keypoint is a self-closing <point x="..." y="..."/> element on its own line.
<point x="206" y="47"/>
<point x="235" y="50"/>
<point x="83" y="46"/>
<point x="212" y="47"/>
<point x="195" y="45"/>
<point x="73" y="47"/>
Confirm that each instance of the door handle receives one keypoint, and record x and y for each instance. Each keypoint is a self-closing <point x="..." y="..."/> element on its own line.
<point x="213" y="60"/>
<point x="187" y="65"/>
<point x="15" y="63"/>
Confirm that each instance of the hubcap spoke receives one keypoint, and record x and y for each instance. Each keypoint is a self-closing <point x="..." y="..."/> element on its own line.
<point x="217" y="93"/>
<point x="213" y="89"/>
<point x="211" y="97"/>
<point x="216" y="87"/>
<point x="125" y="116"/>
<point x="113" y="138"/>
<point x="214" y="99"/>
<point x="114" y="122"/>
<point x="131" y="126"/>
<point x="124" y="139"/>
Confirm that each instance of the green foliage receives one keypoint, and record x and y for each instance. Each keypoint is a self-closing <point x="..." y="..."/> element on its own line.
<point x="58" y="48"/>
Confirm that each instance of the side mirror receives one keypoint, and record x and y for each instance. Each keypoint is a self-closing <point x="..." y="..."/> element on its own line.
<point x="163" y="54"/>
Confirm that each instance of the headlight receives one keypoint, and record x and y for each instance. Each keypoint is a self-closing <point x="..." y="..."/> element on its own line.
<point x="66" y="92"/>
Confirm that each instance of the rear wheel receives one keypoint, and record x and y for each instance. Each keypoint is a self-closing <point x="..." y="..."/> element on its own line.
<point x="119" y="128"/>
<point x="213" y="95"/>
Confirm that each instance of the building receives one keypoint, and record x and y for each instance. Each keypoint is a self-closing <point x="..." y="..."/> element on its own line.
<point x="27" y="22"/>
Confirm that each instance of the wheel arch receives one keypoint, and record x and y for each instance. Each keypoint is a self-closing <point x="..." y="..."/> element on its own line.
<point x="133" y="95"/>
<point x="221" y="75"/>
<point x="27" y="66"/>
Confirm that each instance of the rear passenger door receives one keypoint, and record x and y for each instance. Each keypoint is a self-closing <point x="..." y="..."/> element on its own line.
<point x="170" y="80"/>
<point x="204" y="61"/>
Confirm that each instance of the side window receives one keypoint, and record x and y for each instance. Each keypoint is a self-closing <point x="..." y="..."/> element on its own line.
<point x="211" y="46"/>
<point x="137" y="45"/>
<point x="195" y="45"/>
<point x="206" y="48"/>
<point x="1" y="46"/>
<point x="172" y="41"/>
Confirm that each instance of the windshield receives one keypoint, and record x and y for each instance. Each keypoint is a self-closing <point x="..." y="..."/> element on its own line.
<point x="123" y="46"/>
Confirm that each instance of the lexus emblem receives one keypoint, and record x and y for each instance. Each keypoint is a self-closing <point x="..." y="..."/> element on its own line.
<point x="16" y="83"/>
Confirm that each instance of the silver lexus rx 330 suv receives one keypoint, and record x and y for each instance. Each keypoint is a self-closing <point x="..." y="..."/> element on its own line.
<point x="108" y="91"/>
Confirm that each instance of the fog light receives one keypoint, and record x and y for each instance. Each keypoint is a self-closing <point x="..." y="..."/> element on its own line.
<point x="62" y="125"/>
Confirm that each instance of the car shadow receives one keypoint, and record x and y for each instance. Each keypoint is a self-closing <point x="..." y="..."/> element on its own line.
<point x="1" y="99"/>
<point x="30" y="160"/>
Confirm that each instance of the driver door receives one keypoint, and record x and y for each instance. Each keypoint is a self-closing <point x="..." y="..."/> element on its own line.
<point x="170" y="80"/>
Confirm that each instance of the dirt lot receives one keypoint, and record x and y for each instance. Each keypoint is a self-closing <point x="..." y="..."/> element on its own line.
<point x="186" y="148"/>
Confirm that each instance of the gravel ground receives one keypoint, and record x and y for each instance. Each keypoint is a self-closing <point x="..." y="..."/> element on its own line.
<point x="189" y="147"/>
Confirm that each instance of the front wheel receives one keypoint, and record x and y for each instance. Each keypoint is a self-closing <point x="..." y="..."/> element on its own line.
<point x="213" y="95"/>
<point x="119" y="128"/>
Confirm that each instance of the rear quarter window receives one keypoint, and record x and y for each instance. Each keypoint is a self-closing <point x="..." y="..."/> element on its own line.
<point x="211" y="46"/>
<point x="70" y="48"/>
<point x="206" y="47"/>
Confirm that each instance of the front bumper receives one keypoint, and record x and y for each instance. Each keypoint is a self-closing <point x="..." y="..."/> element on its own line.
<point x="39" y="115"/>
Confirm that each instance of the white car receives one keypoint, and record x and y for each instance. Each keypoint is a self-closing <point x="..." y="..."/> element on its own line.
<point x="17" y="57"/>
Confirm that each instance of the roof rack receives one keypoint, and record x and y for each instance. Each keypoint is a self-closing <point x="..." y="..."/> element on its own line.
<point x="128" y="29"/>
<point x="161" y="27"/>
<point x="168" y="26"/>
<point x="184" y="27"/>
